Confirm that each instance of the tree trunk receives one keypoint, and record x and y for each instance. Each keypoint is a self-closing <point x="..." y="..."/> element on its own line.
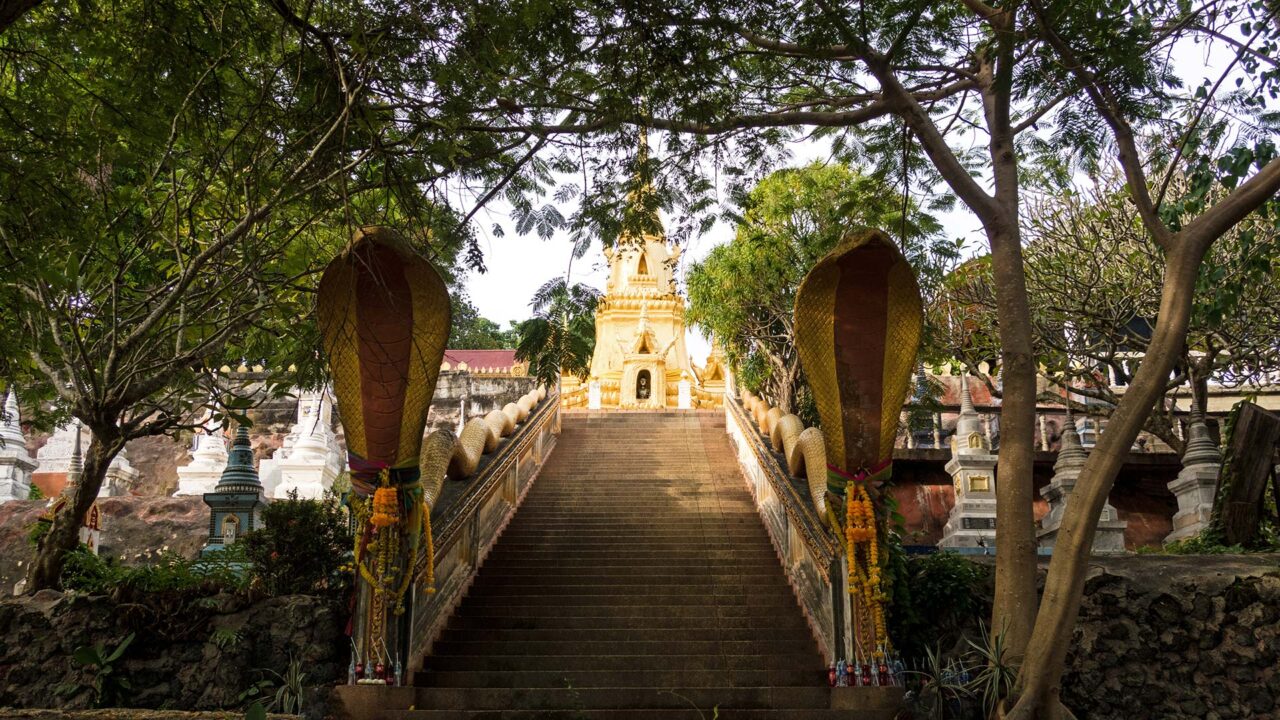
<point x="45" y="570"/>
<point x="11" y="11"/>
<point x="1015" y="593"/>
<point x="1040" y="680"/>
<point x="783" y="391"/>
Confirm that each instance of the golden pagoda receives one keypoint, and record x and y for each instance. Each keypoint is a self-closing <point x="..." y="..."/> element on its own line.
<point x="640" y="360"/>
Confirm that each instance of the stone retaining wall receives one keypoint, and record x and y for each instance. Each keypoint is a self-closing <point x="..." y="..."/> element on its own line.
<point x="190" y="655"/>
<point x="1178" y="637"/>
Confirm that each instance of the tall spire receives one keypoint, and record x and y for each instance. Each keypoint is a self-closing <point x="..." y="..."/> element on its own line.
<point x="240" y="476"/>
<point x="76" y="465"/>
<point x="968" y="420"/>
<point x="1200" y="450"/>
<point x="1071" y="455"/>
<point x="10" y="426"/>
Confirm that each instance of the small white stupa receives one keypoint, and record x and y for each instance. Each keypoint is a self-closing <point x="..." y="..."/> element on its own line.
<point x="16" y="463"/>
<point x="208" y="460"/>
<point x="56" y="455"/>
<point x="310" y="458"/>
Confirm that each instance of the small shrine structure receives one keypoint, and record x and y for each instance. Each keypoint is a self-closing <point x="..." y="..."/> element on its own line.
<point x="237" y="501"/>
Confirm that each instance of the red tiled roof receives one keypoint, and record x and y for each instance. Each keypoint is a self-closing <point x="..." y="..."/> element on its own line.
<point x="481" y="358"/>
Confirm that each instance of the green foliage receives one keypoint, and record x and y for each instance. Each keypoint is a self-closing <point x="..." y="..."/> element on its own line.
<point x="996" y="671"/>
<point x="288" y="687"/>
<point x="561" y="336"/>
<point x="1094" y="280"/>
<point x="968" y="684"/>
<point x="471" y="331"/>
<point x="37" y="530"/>
<point x="935" y="598"/>
<point x="108" y="682"/>
<point x="301" y="547"/>
<point x="784" y="226"/>
<point x="256" y="711"/>
<point x="1210" y="542"/>
<point x="289" y="695"/>
<point x="225" y="638"/>
<point x="86" y="572"/>
<point x="938" y="690"/>
<point x="35" y="493"/>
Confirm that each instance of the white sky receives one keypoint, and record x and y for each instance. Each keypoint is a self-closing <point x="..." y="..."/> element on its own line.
<point x="518" y="265"/>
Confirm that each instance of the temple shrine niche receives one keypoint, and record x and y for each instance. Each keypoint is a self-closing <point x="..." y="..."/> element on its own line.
<point x="640" y="359"/>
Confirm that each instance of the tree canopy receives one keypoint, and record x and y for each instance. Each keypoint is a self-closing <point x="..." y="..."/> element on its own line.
<point x="473" y="331"/>
<point x="171" y="191"/>
<point x="561" y="336"/>
<point x="1093" y="277"/>
<point x="785" y="225"/>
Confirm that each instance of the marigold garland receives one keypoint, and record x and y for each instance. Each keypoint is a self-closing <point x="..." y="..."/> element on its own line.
<point x="386" y="506"/>
<point x="863" y="547"/>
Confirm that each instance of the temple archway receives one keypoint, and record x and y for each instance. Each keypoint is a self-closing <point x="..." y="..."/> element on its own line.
<point x="644" y="385"/>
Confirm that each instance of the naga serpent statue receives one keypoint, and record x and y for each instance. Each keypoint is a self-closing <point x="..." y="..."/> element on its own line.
<point x="384" y="316"/>
<point x="858" y="319"/>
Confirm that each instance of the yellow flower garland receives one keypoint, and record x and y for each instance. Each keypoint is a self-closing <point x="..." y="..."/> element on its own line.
<point x="864" y="567"/>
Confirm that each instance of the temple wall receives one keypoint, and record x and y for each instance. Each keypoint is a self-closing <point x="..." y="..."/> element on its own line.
<point x="482" y="394"/>
<point x="925" y="496"/>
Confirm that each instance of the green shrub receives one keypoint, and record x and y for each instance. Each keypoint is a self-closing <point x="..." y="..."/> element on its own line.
<point x="935" y="597"/>
<point x="88" y="573"/>
<point x="302" y="546"/>
<point x="37" y="530"/>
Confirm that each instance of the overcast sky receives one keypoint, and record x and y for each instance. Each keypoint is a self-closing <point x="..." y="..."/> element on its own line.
<point x="518" y="265"/>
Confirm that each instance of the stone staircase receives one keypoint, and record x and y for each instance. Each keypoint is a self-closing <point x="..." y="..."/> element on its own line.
<point x="636" y="581"/>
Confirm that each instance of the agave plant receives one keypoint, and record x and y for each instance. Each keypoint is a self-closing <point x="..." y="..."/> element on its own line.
<point x="996" y="670"/>
<point x="942" y="686"/>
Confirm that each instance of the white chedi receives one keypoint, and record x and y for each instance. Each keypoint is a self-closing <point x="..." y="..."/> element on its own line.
<point x="208" y="460"/>
<point x="16" y="463"/>
<point x="310" y="458"/>
<point x="65" y="449"/>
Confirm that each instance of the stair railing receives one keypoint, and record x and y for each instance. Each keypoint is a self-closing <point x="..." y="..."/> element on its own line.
<point x="469" y="516"/>
<point x="810" y="554"/>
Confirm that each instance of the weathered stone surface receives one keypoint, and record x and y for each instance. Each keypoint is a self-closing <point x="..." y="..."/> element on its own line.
<point x="134" y="530"/>
<point x="1177" y="636"/>
<point x="189" y="655"/>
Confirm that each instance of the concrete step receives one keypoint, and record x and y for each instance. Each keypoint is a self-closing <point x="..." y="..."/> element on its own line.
<point x="726" y="594"/>
<point x="597" y="635"/>
<point x="668" y="622"/>
<point x="606" y="554"/>
<point x="501" y="608"/>
<point x="677" y="698"/>
<point x="635" y="581"/>
<point x="633" y="714"/>
<point x="624" y="678"/>
<point x="621" y="663"/>
<point x="771" y="602"/>
<point x="657" y="649"/>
